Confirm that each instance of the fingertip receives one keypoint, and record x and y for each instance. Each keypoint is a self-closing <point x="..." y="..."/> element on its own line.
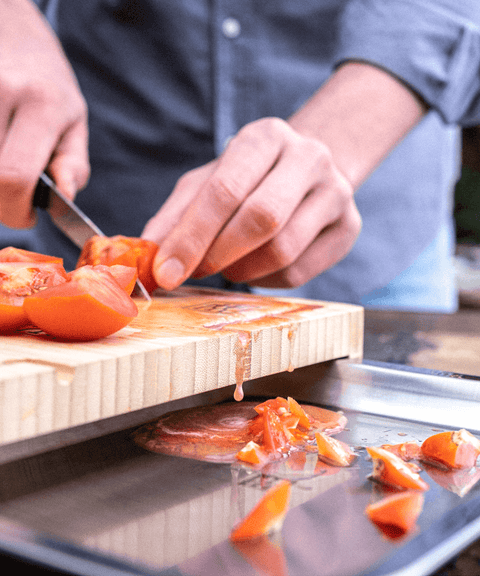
<point x="169" y="273"/>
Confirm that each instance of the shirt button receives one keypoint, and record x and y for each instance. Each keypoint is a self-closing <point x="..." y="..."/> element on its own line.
<point x="231" y="27"/>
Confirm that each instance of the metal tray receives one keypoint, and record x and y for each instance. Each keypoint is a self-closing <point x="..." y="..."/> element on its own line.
<point x="103" y="506"/>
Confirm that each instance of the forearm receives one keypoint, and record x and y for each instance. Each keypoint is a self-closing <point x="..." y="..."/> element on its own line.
<point x="361" y="114"/>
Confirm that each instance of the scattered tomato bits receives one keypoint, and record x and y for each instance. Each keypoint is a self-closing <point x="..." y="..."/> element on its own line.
<point x="396" y="514"/>
<point x="266" y="516"/>
<point x="454" y="450"/>
<point x="391" y="470"/>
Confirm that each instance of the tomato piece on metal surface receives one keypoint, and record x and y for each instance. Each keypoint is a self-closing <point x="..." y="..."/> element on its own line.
<point x="391" y="470"/>
<point x="275" y="438"/>
<point x="267" y="515"/>
<point x="252" y="453"/>
<point x="333" y="451"/>
<point x="279" y="405"/>
<point x="397" y="514"/>
<point x="295" y="408"/>
<point x="454" y="449"/>
<point x="89" y="305"/>
<point x="21" y="279"/>
<point x="13" y="254"/>
<point x="405" y="450"/>
<point x="136" y="252"/>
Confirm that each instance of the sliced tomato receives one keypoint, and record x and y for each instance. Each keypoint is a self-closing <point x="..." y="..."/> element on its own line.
<point x="263" y="555"/>
<point x="274" y="435"/>
<point x="279" y="405"/>
<point x="407" y="451"/>
<point x="252" y="453"/>
<point x="391" y="470"/>
<point x="295" y="408"/>
<point x="266" y="516"/>
<point x="126" y="276"/>
<point x="12" y="254"/>
<point x="333" y="451"/>
<point x="89" y="305"/>
<point x="21" y="279"/>
<point x="124" y="250"/>
<point x="397" y="514"/>
<point x="454" y="449"/>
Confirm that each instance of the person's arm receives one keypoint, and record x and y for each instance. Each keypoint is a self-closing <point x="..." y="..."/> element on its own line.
<point x="277" y="208"/>
<point x="43" y="116"/>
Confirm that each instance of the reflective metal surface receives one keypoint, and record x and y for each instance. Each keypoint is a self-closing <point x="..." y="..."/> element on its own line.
<point x="105" y="506"/>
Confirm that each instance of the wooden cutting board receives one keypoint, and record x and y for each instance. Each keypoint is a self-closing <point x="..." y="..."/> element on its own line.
<point x="191" y="341"/>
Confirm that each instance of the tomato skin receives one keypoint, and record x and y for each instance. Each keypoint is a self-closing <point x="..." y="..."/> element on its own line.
<point x="13" y="254"/>
<point x="124" y="250"/>
<point x="390" y="469"/>
<point x="89" y="306"/>
<point x="397" y="514"/>
<point x="333" y="451"/>
<point x="267" y="515"/>
<point x="21" y="279"/>
<point x="454" y="449"/>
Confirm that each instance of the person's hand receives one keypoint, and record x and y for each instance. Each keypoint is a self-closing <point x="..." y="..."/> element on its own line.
<point x="273" y="210"/>
<point x="277" y="208"/>
<point x="43" y="116"/>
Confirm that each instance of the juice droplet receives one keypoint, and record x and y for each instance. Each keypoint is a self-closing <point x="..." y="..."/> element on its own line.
<point x="238" y="394"/>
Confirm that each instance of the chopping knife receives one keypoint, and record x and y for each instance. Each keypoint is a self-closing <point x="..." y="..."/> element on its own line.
<point x="68" y="217"/>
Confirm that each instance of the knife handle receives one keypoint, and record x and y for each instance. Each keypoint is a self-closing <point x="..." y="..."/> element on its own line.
<point x="41" y="195"/>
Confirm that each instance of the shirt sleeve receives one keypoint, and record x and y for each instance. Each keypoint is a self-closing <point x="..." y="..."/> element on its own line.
<point x="433" y="47"/>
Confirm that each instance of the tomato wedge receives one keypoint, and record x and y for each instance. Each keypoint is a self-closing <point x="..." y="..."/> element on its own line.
<point x="124" y="250"/>
<point x="397" y="514"/>
<point x="12" y="254"/>
<point x="455" y="449"/>
<point x="391" y="470"/>
<point x="21" y="279"/>
<point x="252" y="453"/>
<point x="89" y="305"/>
<point x="274" y="434"/>
<point x="405" y="450"/>
<point x="333" y="451"/>
<point x="126" y="276"/>
<point x="266" y="516"/>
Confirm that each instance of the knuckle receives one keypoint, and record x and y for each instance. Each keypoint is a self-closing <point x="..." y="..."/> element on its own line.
<point x="224" y="192"/>
<point x="261" y="221"/>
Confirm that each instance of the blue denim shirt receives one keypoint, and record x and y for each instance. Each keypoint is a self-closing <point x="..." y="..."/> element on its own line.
<point x="169" y="81"/>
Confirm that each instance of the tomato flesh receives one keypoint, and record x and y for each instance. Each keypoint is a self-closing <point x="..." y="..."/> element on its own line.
<point x="391" y="470"/>
<point x="13" y="254"/>
<point x="455" y="449"/>
<point x="266" y="515"/>
<point x="136" y="252"/>
<point x="89" y="305"/>
<point x="21" y="279"/>
<point x="397" y="514"/>
<point x="334" y="451"/>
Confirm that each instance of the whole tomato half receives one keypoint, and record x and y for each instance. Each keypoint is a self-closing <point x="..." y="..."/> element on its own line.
<point x="124" y="250"/>
<point x="19" y="280"/>
<point x="90" y="305"/>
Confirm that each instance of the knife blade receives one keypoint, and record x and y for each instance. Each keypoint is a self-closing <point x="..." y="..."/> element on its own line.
<point x="68" y="217"/>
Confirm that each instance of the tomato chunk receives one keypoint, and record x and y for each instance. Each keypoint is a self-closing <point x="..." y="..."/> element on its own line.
<point x="89" y="305"/>
<point x="274" y="434"/>
<point x="21" y="279"/>
<point x="333" y="451"/>
<point x="405" y="450"/>
<point x="136" y="252"/>
<point x="252" y="453"/>
<point x="12" y="254"/>
<point x="266" y="516"/>
<point x="454" y="449"/>
<point x="391" y="470"/>
<point x="397" y="514"/>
